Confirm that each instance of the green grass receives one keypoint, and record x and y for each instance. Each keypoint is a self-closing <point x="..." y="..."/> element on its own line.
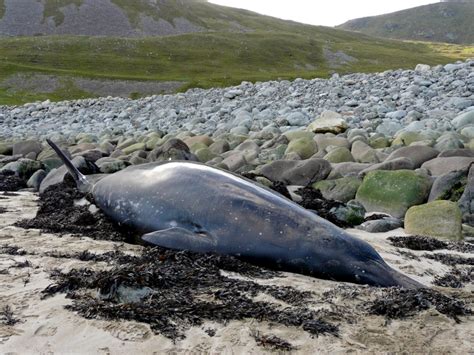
<point x="206" y="59"/>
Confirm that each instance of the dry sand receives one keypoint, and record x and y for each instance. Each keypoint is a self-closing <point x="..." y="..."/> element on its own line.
<point x="45" y="327"/>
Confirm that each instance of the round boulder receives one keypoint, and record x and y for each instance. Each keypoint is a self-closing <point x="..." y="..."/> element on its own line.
<point x="296" y="172"/>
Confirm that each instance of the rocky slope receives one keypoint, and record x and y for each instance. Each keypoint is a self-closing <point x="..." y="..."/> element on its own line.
<point x="449" y="22"/>
<point x="119" y="18"/>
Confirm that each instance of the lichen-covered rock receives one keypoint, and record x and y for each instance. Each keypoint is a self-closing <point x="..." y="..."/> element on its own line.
<point x="23" y="168"/>
<point x="449" y="186"/>
<point x="110" y="165"/>
<point x="343" y="189"/>
<point x="305" y="147"/>
<point x="339" y="155"/>
<point x="205" y="154"/>
<point x="393" y="192"/>
<point x="133" y="148"/>
<point x="441" y="219"/>
<point x="352" y="213"/>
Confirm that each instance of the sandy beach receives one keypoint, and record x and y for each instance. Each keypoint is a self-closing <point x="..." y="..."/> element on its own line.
<point x="45" y="326"/>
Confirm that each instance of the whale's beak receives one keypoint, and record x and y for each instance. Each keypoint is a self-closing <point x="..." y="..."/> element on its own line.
<point x="378" y="273"/>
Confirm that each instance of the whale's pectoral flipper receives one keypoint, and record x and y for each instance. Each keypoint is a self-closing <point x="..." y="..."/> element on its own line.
<point x="182" y="239"/>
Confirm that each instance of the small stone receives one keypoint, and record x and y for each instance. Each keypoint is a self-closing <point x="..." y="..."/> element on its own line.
<point x="328" y="122"/>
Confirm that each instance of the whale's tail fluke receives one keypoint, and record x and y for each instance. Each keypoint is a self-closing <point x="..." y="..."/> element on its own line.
<point x="81" y="181"/>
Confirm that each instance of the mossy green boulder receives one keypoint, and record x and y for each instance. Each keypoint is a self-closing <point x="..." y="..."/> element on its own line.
<point x="393" y="192"/>
<point x="134" y="148"/>
<point x="293" y="135"/>
<point x="343" y="189"/>
<point x="339" y="155"/>
<point x="205" y="154"/>
<point x="6" y="148"/>
<point x="440" y="219"/>
<point x="305" y="147"/>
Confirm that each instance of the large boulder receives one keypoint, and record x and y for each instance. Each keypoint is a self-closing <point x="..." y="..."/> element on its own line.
<point x="305" y="147"/>
<point x="441" y="219"/>
<point x="417" y="154"/>
<point x="364" y="153"/>
<point x="57" y="176"/>
<point x="343" y="189"/>
<point x="464" y="120"/>
<point x="172" y="149"/>
<point x="393" y="192"/>
<point x="26" y="147"/>
<point x="296" y="172"/>
<point x="441" y="166"/>
<point x="449" y="186"/>
<point x="328" y="122"/>
<point x="339" y="155"/>
<point x="347" y="169"/>
<point x="395" y="164"/>
<point x="23" y="167"/>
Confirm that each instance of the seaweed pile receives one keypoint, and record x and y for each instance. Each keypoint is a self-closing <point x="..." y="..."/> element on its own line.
<point x="173" y="291"/>
<point x="58" y="214"/>
<point x="10" y="182"/>
<point x="396" y="303"/>
<point x="416" y="242"/>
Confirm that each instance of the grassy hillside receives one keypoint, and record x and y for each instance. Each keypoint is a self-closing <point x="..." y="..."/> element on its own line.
<point x="206" y="59"/>
<point x="440" y="22"/>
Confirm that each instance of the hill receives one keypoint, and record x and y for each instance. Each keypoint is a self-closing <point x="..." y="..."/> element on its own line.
<point x="449" y="22"/>
<point x="222" y="46"/>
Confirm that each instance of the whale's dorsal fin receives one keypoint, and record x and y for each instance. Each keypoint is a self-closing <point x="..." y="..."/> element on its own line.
<point x="79" y="178"/>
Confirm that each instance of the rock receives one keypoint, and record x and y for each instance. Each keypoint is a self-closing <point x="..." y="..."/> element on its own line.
<point x="137" y="160"/>
<point x="205" y="154"/>
<point x="352" y="213"/>
<point x="126" y="143"/>
<point x="325" y="141"/>
<point x="422" y="68"/>
<point x="57" y="176"/>
<point x="35" y="180"/>
<point x="381" y="225"/>
<point x="305" y="147"/>
<point x="394" y="164"/>
<point x="464" y="120"/>
<point x="440" y="219"/>
<point x="172" y="149"/>
<point x="206" y="140"/>
<point x="393" y="192"/>
<point x="235" y="161"/>
<point x="346" y="169"/>
<point x="466" y="202"/>
<point x="293" y="135"/>
<point x="343" y="189"/>
<point x="441" y="166"/>
<point x="328" y="122"/>
<point x="363" y="153"/>
<point x="301" y="173"/>
<point x="6" y="148"/>
<point x="297" y="119"/>
<point x="133" y="148"/>
<point x="110" y="165"/>
<point x="25" y="147"/>
<point x="219" y="147"/>
<point x="417" y="154"/>
<point x="339" y="155"/>
<point x="23" y="167"/>
<point x="407" y="138"/>
<point x="449" y="186"/>
<point x="92" y="155"/>
<point x="457" y="153"/>
<point x="379" y="142"/>
<point x="249" y="149"/>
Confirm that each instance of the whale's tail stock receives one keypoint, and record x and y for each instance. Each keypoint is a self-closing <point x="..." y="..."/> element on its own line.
<point x="81" y="181"/>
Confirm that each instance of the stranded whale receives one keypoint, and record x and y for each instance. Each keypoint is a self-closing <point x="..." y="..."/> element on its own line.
<point x="190" y="206"/>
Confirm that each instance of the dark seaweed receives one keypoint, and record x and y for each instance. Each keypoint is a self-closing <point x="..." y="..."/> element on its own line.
<point x="7" y="317"/>
<point x="398" y="303"/>
<point x="10" y="182"/>
<point x="272" y="342"/>
<point x="12" y="250"/>
<point x="58" y="214"/>
<point x="182" y="289"/>
<point x="313" y="200"/>
<point x="456" y="278"/>
<point x="430" y="244"/>
<point x="3" y="210"/>
<point x="450" y="260"/>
